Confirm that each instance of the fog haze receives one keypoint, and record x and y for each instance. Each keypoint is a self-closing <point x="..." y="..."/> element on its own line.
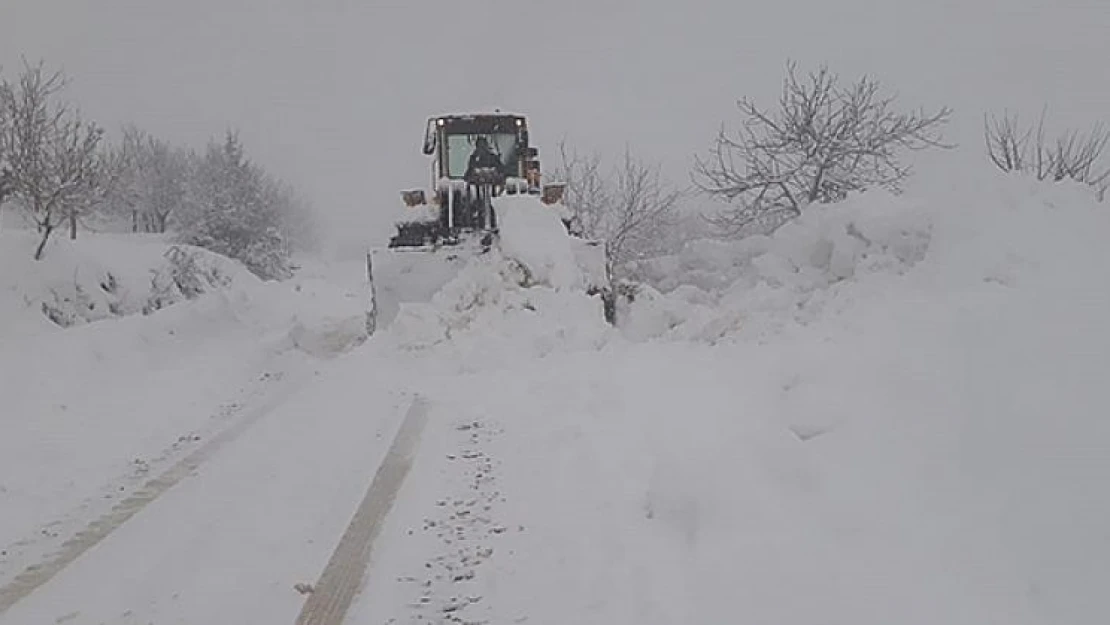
<point x="332" y="94"/>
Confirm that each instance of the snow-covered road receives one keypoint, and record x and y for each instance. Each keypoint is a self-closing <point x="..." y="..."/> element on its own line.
<point x="229" y="544"/>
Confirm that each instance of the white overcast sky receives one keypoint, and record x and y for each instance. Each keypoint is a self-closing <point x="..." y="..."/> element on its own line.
<point x="332" y="94"/>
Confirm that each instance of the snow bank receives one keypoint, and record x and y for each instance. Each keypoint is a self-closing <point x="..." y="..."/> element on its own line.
<point x="931" y="414"/>
<point x="835" y="254"/>
<point x="104" y="277"/>
<point x="714" y="289"/>
<point x="99" y="277"/>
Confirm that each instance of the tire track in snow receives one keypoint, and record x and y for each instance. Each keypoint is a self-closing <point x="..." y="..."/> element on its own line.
<point x="342" y="576"/>
<point x="92" y="534"/>
<point x="440" y="557"/>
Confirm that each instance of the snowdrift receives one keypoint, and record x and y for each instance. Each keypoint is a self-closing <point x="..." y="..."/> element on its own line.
<point x="717" y="289"/>
<point x="910" y="424"/>
<point x="871" y="244"/>
<point x="99" y="277"/>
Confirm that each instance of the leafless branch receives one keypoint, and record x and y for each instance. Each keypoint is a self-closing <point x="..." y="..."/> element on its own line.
<point x="1071" y="156"/>
<point x="629" y="209"/>
<point x="823" y="142"/>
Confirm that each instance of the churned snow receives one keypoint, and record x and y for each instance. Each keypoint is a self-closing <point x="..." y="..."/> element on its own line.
<point x="533" y="287"/>
<point x="890" y="411"/>
<point x="533" y="235"/>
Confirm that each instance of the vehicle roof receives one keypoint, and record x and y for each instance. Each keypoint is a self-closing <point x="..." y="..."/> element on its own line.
<point x="475" y="115"/>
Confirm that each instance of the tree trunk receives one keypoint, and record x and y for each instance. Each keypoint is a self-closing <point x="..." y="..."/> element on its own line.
<point x="73" y="225"/>
<point x="134" y="220"/>
<point x="46" y="229"/>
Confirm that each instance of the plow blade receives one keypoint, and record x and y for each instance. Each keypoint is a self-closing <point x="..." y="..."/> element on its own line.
<point x="403" y="275"/>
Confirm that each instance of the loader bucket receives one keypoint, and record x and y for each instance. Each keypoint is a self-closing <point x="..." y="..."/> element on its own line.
<point x="400" y="276"/>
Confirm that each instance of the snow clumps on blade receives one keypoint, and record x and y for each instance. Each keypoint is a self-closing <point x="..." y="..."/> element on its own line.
<point x="527" y="296"/>
<point x="534" y="236"/>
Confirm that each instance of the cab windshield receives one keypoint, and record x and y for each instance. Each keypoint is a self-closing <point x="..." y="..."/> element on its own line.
<point x="460" y="147"/>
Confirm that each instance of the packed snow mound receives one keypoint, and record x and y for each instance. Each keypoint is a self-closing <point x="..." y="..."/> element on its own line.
<point x="717" y="290"/>
<point x="713" y="289"/>
<point x="533" y="235"/>
<point x="101" y="276"/>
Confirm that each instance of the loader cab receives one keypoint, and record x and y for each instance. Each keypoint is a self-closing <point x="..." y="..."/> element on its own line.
<point x="452" y="140"/>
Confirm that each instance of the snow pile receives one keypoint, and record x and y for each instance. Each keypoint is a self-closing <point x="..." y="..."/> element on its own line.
<point x="102" y="277"/>
<point x="99" y="277"/>
<point x="534" y="236"/>
<point x="713" y="289"/>
<point x="947" y="417"/>
<point x="834" y="254"/>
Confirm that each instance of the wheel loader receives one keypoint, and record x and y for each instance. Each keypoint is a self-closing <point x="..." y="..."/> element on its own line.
<point x="475" y="158"/>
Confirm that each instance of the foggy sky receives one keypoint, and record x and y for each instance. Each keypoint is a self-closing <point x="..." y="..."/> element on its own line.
<point x="332" y="94"/>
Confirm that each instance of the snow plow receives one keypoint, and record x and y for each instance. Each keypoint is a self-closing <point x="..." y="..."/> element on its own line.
<point x="480" y="164"/>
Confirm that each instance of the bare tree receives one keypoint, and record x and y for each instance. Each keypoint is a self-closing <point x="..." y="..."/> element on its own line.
<point x="236" y="209"/>
<point x="644" y="208"/>
<point x="101" y="189"/>
<point x="5" y="171"/>
<point x="587" y="192"/>
<point x="629" y="210"/>
<point x="153" y="182"/>
<point x="51" y="152"/>
<point x="824" y="142"/>
<point x="5" y="184"/>
<point x="1073" y="155"/>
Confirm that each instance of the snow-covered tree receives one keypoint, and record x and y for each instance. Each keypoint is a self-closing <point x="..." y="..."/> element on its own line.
<point x="51" y="153"/>
<point x="234" y="209"/>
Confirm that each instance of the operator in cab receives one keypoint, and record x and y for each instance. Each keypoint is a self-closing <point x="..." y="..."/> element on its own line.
<point x="482" y="157"/>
